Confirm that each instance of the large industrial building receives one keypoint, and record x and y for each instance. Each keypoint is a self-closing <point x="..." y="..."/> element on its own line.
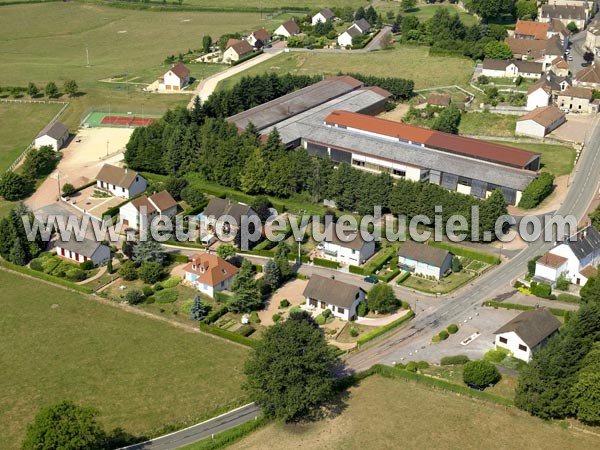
<point x="333" y="119"/>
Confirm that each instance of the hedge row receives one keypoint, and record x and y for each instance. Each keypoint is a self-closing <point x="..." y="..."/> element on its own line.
<point x="46" y="277"/>
<point x="227" y="438"/>
<point x="466" y="253"/>
<point x="246" y="58"/>
<point x="555" y="311"/>
<point x="384" y="329"/>
<point x="215" y="315"/>
<point x="380" y="260"/>
<point x="389" y="277"/>
<point x="537" y="191"/>
<point x="403" y="277"/>
<point x="326" y="263"/>
<point x="356" y="270"/>
<point x="238" y="338"/>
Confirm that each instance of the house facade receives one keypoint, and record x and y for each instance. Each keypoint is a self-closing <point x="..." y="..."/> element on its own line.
<point x="346" y="247"/>
<point x="340" y="298"/>
<point x="258" y="38"/>
<point x="577" y="257"/>
<point x="224" y="216"/>
<point x="54" y="135"/>
<point x="174" y="79"/>
<point x="238" y="50"/>
<point x="511" y="68"/>
<point x="287" y="29"/>
<point x="527" y="332"/>
<point x="120" y="182"/>
<point x="140" y="212"/>
<point x="209" y="274"/>
<point x="578" y="14"/>
<point x="576" y="99"/>
<point x="322" y="16"/>
<point x="424" y="260"/>
<point x="82" y="251"/>
<point x="345" y="39"/>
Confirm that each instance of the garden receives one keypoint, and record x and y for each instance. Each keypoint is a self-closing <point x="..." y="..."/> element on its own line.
<point x="53" y="265"/>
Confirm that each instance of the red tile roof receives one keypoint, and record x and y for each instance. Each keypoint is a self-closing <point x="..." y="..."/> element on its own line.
<point x="538" y="30"/>
<point x="211" y="269"/>
<point x="552" y="260"/>
<point x="450" y="143"/>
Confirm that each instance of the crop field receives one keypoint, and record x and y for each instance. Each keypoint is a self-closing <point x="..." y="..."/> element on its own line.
<point x="139" y="373"/>
<point x="19" y="124"/>
<point x="403" y="61"/>
<point x="385" y="413"/>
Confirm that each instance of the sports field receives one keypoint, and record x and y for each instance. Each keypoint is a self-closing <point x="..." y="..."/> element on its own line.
<point x="384" y="414"/>
<point x="19" y="124"/>
<point x="101" y="119"/>
<point x="139" y="373"/>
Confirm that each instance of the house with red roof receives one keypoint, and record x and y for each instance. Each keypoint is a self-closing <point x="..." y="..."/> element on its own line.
<point x="209" y="274"/>
<point x="174" y="79"/>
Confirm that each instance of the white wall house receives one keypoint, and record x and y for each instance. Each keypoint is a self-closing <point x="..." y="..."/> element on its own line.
<point x="86" y="250"/>
<point x="346" y="247"/>
<point x="527" y="332"/>
<point x="261" y="36"/>
<point x="120" y="182"/>
<point x="577" y="257"/>
<point x="322" y="16"/>
<point x="340" y="298"/>
<point x="174" y="79"/>
<point x="424" y="260"/>
<point x="209" y="274"/>
<point x="238" y="50"/>
<point x="140" y="212"/>
<point x="54" y="135"/>
<point x="287" y="29"/>
<point x="511" y="68"/>
<point x="538" y="96"/>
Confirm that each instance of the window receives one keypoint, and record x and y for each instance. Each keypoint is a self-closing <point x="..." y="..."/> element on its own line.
<point x="358" y="163"/>
<point x="123" y="189"/>
<point x="341" y="310"/>
<point x="399" y="173"/>
<point x="323" y="305"/>
<point x="522" y="348"/>
<point x="503" y="340"/>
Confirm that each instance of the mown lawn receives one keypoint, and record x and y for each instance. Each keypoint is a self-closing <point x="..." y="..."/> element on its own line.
<point x="19" y="124"/>
<point x="488" y="124"/>
<point x="139" y="373"/>
<point x="556" y="159"/>
<point x="446" y="284"/>
<point x="400" y="413"/>
<point x="403" y="61"/>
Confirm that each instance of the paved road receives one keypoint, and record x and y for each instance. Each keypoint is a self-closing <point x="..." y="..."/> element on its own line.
<point x="200" y="431"/>
<point x="583" y="189"/>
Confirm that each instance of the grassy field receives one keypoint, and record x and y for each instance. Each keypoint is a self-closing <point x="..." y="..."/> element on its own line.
<point x="20" y="124"/>
<point x="403" y="61"/>
<point x="488" y="124"/>
<point x="283" y="4"/>
<point x="384" y="413"/>
<point x="556" y="159"/>
<point x="426" y="12"/>
<point x="139" y="373"/>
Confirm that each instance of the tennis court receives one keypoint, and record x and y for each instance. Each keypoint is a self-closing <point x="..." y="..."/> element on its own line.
<point x="98" y="119"/>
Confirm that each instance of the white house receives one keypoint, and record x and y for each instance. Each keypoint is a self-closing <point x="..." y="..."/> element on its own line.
<point x="323" y="16"/>
<point x="287" y="29"/>
<point x="363" y="26"/>
<point x="511" y="68"/>
<point x="347" y="247"/>
<point x="120" y="182"/>
<point x="577" y="99"/>
<point x="424" y="260"/>
<point x="527" y="332"/>
<point x="174" y="79"/>
<point x="340" y="298"/>
<point x="140" y="212"/>
<point x="54" y="135"/>
<point x="541" y="121"/>
<point x="258" y="38"/>
<point x="82" y="251"/>
<point x="577" y="257"/>
<point x="345" y="39"/>
<point x="209" y="274"/>
<point x="546" y="91"/>
<point x="236" y="51"/>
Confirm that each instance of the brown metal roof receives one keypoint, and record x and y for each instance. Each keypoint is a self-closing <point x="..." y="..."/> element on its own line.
<point x="181" y="71"/>
<point x="262" y="35"/>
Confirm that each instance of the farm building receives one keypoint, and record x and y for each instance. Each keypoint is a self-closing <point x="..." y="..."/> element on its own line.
<point x="541" y="121"/>
<point x="54" y="135"/>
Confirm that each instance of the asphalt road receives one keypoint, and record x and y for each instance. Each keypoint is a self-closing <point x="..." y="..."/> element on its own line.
<point x="584" y="187"/>
<point x="200" y="431"/>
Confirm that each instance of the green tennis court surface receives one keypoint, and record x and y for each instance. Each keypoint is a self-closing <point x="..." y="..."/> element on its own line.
<point x="103" y="119"/>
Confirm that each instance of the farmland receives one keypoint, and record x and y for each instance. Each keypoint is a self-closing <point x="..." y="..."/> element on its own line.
<point x="380" y="413"/>
<point x="140" y="374"/>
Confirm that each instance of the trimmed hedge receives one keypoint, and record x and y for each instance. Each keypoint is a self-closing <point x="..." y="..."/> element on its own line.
<point x="326" y="263"/>
<point x="228" y="437"/>
<point x="246" y="58"/>
<point x="379" y="260"/>
<point x="384" y="329"/>
<point x="403" y="277"/>
<point x="46" y="277"/>
<point x="455" y="360"/>
<point x="568" y="298"/>
<point x="227" y="335"/>
<point x="389" y="277"/>
<point x="215" y="315"/>
<point x="537" y="191"/>
<point x="356" y="270"/>
<point x="556" y="311"/>
<point x="466" y="253"/>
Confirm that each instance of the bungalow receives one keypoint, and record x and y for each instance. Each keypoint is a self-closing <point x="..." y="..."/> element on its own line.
<point x="577" y="99"/>
<point x="237" y="51"/>
<point x="588" y="77"/>
<point x="54" y="135"/>
<point x="340" y="298"/>
<point x="577" y="258"/>
<point x="540" y="122"/>
<point x="346" y="247"/>
<point x="511" y="68"/>
<point x="224" y="215"/>
<point x="424" y="260"/>
<point x="287" y="29"/>
<point x="140" y="212"/>
<point x="82" y="251"/>
<point x="174" y="79"/>
<point x="120" y="182"/>
<point x="258" y="38"/>
<point x="363" y="26"/>
<point x="527" y="332"/>
<point x="209" y="274"/>
<point x="323" y="16"/>
<point x="345" y="39"/>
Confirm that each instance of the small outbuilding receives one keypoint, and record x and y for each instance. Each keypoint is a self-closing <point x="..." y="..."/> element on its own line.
<point x="54" y="135"/>
<point x="541" y="121"/>
<point x="82" y="251"/>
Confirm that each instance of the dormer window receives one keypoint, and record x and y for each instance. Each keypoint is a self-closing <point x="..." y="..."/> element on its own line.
<point x="194" y="266"/>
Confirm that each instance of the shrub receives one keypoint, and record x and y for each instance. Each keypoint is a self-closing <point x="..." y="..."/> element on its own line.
<point x="320" y="319"/>
<point x="147" y="290"/>
<point x="276" y="317"/>
<point x="327" y="313"/>
<point x="295" y="309"/>
<point x="325" y="263"/>
<point x="362" y="309"/>
<point x="354" y="331"/>
<point x="412" y="367"/>
<point x="454" y="360"/>
<point x="568" y="298"/>
<point x="435" y="338"/>
<point x="517" y="284"/>
<point x="537" y="191"/>
<point x="421" y="365"/>
<point x="443" y="335"/>
<point x="158" y="287"/>
<point x="170" y="283"/>
<point x="284" y="303"/>
<point x="86" y="265"/>
<point x="134" y="297"/>
<point x="452" y="328"/>
<point x="481" y="373"/>
<point x="245" y="330"/>
<point x="254" y="317"/>
<point x="150" y="300"/>
<point x="127" y="271"/>
<point x="36" y="264"/>
<point x="68" y="189"/>
<point x="151" y="272"/>
<point x="75" y="275"/>
<point x="166" y="296"/>
<point x="542" y="290"/>
<point x="495" y="356"/>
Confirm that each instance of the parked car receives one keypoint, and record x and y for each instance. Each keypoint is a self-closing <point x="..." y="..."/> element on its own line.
<point x="475" y="386"/>
<point x="371" y="279"/>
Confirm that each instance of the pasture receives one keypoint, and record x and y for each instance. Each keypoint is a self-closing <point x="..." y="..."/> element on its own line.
<point x="141" y="374"/>
<point x="386" y="413"/>
<point x="403" y="61"/>
<point x="20" y="123"/>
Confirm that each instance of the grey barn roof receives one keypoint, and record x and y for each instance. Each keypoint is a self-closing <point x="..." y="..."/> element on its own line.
<point x="218" y="207"/>
<point x="55" y="130"/>
<point x="331" y="291"/>
<point x="275" y="111"/>
<point x="417" y="156"/>
<point x="87" y="247"/>
<point x="532" y="326"/>
<point x="586" y="242"/>
<point x="423" y="253"/>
